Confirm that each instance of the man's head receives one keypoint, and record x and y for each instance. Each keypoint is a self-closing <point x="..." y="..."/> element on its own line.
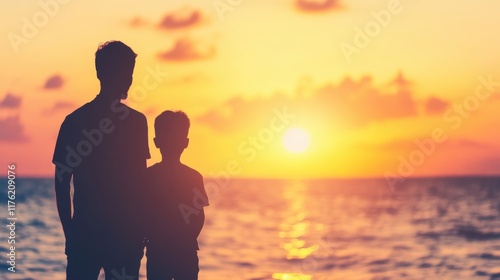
<point x="114" y="63"/>
<point x="171" y="131"/>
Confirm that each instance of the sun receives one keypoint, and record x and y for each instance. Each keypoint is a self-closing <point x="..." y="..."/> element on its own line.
<point x="296" y="140"/>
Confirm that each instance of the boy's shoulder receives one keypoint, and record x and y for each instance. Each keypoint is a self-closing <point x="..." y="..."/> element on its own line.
<point x="191" y="172"/>
<point x="194" y="180"/>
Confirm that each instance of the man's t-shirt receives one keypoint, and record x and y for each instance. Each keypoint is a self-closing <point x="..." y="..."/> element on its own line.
<point x="105" y="147"/>
<point x="175" y="197"/>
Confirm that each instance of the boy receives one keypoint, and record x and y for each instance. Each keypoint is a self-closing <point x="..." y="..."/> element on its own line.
<point x="175" y="202"/>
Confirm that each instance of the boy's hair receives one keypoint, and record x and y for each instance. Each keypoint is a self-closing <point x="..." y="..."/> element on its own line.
<point x="114" y="59"/>
<point x="172" y="123"/>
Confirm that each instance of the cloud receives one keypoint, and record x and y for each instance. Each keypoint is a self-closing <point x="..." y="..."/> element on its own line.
<point x="182" y="18"/>
<point x="362" y="102"/>
<point x="239" y="112"/>
<point x="188" y="79"/>
<point x="463" y="143"/>
<point x="60" y="106"/>
<point x="137" y="22"/>
<point x="409" y="144"/>
<point x="466" y="156"/>
<point x="316" y="5"/>
<point x="184" y="49"/>
<point x="435" y="105"/>
<point x="54" y="82"/>
<point x="484" y="165"/>
<point x="10" y="101"/>
<point x="11" y="130"/>
<point x="350" y="103"/>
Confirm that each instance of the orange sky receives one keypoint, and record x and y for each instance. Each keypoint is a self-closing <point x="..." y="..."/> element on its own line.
<point x="371" y="81"/>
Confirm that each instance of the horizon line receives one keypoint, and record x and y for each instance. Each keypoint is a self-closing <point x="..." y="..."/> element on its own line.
<point x="443" y="176"/>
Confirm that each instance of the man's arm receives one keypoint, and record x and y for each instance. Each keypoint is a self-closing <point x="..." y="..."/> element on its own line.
<point x="63" y="198"/>
<point x="141" y="187"/>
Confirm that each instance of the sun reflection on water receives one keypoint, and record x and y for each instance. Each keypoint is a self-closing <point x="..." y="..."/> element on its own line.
<point x="291" y="276"/>
<point x="294" y="231"/>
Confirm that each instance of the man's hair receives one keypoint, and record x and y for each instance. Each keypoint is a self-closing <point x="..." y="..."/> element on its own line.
<point x="114" y="59"/>
<point x="172" y="123"/>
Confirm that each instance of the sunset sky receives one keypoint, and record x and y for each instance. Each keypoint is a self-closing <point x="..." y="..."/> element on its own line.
<point x="370" y="82"/>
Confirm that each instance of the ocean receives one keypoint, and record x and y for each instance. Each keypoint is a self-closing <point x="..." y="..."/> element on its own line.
<point x="428" y="228"/>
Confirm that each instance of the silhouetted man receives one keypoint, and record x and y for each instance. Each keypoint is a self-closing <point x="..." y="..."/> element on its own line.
<point x="103" y="147"/>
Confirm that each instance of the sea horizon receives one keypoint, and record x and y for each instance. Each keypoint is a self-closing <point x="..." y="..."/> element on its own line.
<point x="444" y="176"/>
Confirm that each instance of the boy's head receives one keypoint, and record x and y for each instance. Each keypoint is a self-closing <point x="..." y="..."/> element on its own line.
<point x="114" y="63"/>
<point x="171" y="133"/>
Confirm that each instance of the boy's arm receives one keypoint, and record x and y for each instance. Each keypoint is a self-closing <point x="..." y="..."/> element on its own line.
<point x="199" y="218"/>
<point x="63" y="198"/>
<point x="197" y="225"/>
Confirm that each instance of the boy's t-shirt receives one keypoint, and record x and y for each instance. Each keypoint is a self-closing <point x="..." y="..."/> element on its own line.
<point x="175" y="198"/>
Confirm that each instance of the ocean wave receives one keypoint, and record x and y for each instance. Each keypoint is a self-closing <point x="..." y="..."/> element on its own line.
<point x="472" y="233"/>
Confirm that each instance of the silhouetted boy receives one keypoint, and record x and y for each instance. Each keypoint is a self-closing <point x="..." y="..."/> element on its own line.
<point x="176" y="198"/>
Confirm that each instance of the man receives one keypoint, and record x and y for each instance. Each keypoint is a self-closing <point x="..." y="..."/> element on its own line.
<point x="103" y="147"/>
